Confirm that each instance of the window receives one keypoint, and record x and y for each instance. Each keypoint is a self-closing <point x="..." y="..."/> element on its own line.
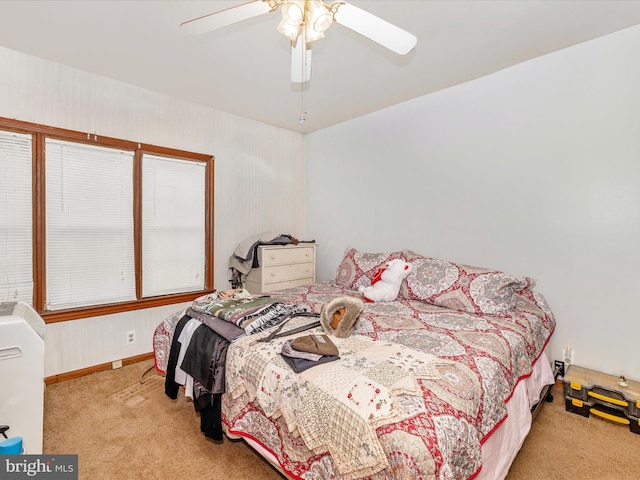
<point x="116" y="225"/>
<point x="173" y="234"/>
<point x="89" y="225"/>
<point x="16" y="255"/>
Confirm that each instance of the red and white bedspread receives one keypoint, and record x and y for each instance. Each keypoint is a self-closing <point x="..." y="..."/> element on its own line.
<point x="416" y="392"/>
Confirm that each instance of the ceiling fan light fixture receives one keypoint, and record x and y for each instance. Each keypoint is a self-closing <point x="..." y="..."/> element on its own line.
<point x="288" y="30"/>
<point x="292" y="18"/>
<point x="318" y="20"/>
<point x="315" y="15"/>
<point x="293" y="11"/>
<point x="311" y="34"/>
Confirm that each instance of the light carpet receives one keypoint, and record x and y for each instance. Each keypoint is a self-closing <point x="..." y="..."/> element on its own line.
<point x="123" y="429"/>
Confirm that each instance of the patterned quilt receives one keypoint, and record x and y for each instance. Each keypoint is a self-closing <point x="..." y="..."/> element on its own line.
<point x="416" y="390"/>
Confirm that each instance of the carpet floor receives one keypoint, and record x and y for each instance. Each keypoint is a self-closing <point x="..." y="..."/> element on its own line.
<point x="123" y="429"/>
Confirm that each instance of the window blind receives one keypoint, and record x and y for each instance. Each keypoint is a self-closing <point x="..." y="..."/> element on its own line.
<point x="89" y="225"/>
<point x="16" y="255"/>
<point x="173" y="225"/>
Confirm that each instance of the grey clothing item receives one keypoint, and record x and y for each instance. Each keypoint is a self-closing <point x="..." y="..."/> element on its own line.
<point x="300" y="364"/>
<point x="243" y="257"/>
<point x="223" y="328"/>
<point x="245" y="249"/>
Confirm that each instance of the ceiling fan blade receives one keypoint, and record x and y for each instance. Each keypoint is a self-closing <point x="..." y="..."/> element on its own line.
<point x="374" y="28"/>
<point x="300" y="60"/>
<point x="220" y="19"/>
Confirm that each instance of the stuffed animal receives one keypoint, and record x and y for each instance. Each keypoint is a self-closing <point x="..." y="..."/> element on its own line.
<point x="386" y="283"/>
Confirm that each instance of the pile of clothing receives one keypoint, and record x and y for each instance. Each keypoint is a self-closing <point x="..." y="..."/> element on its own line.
<point x="250" y="313"/>
<point x="204" y="331"/>
<point x="201" y="337"/>
<point x="308" y="351"/>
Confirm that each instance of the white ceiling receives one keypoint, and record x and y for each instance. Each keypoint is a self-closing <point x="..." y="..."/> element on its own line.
<point x="244" y="68"/>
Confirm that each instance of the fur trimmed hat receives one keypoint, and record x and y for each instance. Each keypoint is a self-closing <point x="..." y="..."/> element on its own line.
<point x="338" y="317"/>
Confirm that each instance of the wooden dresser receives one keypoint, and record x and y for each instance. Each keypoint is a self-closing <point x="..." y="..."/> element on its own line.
<point x="282" y="266"/>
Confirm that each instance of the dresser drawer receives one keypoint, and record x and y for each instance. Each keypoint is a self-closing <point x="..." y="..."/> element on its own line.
<point x="270" y="287"/>
<point x="281" y="273"/>
<point x="268" y="256"/>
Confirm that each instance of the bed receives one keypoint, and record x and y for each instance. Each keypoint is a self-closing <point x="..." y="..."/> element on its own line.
<point x="439" y="383"/>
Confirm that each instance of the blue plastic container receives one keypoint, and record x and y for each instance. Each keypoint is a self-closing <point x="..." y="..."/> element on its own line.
<point x="11" y="446"/>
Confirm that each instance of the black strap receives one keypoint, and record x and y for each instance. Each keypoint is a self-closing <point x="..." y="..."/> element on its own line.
<point x="302" y="328"/>
<point x="276" y="331"/>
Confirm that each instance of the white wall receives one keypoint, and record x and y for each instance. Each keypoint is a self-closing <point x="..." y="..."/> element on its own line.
<point x="534" y="170"/>
<point x="259" y="178"/>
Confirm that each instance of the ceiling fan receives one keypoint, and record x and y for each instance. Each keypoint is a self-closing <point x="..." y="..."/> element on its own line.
<point x="305" y="21"/>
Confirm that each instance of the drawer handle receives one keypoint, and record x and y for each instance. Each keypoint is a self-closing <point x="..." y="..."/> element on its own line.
<point x="604" y="398"/>
<point x="575" y="386"/>
<point x="576" y="403"/>
<point x="10" y="352"/>
<point x="613" y="418"/>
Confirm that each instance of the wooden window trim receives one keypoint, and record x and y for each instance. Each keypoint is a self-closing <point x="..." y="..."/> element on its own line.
<point x="39" y="133"/>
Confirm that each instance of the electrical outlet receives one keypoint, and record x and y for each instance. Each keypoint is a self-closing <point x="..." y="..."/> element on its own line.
<point x="568" y="356"/>
<point x="131" y="337"/>
<point x="116" y="364"/>
<point x="558" y="368"/>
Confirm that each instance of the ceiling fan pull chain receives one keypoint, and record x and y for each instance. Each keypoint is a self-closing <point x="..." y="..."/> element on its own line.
<point x="303" y="112"/>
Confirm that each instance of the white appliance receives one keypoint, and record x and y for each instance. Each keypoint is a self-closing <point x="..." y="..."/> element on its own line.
<point x="22" y="374"/>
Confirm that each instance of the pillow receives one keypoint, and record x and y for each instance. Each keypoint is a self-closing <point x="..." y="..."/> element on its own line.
<point x="358" y="268"/>
<point x="465" y="288"/>
<point x="410" y="255"/>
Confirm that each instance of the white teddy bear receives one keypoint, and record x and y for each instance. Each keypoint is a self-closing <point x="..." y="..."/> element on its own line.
<point x="386" y="284"/>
